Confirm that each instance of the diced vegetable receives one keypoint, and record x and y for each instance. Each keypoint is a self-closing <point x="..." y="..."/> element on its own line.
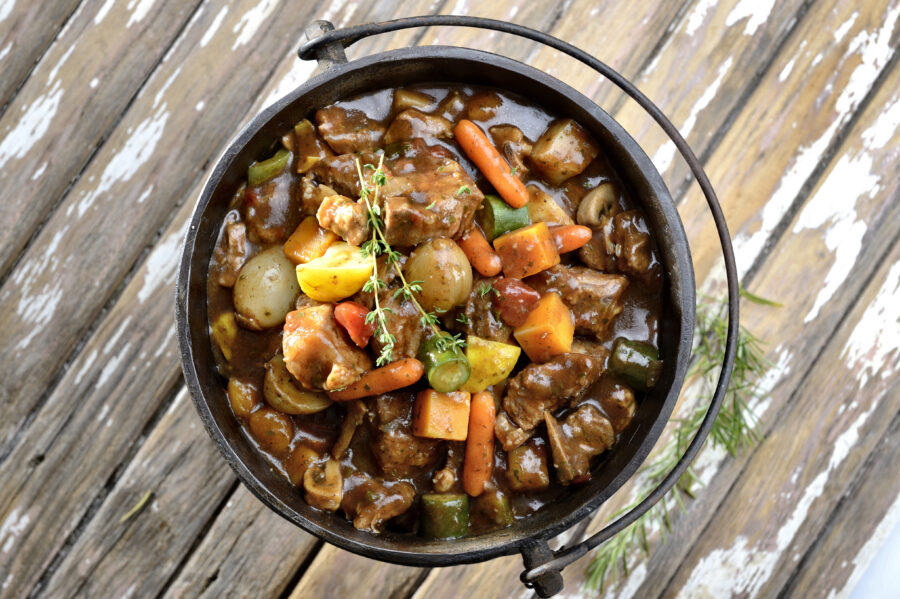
<point x="308" y="242"/>
<point x="283" y="393"/>
<point x="563" y="151"/>
<point x="309" y="146"/>
<point x="490" y="511"/>
<point x="352" y="317"/>
<point x="324" y="485"/>
<point x="265" y="290"/>
<point x="298" y="461"/>
<point x="549" y="329"/>
<point x="224" y="333"/>
<point x="527" y="467"/>
<point x="243" y="397"/>
<point x="479" y="462"/>
<point x="599" y="202"/>
<point x="446" y="369"/>
<point x="441" y="415"/>
<point x="527" y="251"/>
<point x="496" y="217"/>
<point x="260" y="172"/>
<point x="490" y="361"/>
<point x="391" y="377"/>
<point x="569" y="238"/>
<point x="339" y="273"/>
<point x="516" y="300"/>
<point x="544" y="209"/>
<point x="636" y="363"/>
<point x="272" y="430"/>
<point x="443" y="272"/>
<point x="482" y="152"/>
<point x="410" y="98"/>
<point x="481" y="255"/>
<point x="483" y="105"/>
<point x="445" y="516"/>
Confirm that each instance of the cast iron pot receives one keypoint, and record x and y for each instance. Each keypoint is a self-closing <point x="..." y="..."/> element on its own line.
<point x="340" y="80"/>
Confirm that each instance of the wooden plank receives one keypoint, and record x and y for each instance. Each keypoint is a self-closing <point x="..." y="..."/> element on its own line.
<point x="148" y="167"/>
<point x="26" y="30"/>
<point x="797" y="271"/>
<point x="369" y="578"/>
<point x="249" y="551"/>
<point x="857" y="530"/>
<point x="70" y="103"/>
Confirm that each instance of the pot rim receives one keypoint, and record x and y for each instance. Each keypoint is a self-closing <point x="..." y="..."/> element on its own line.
<point x="471" y="549"/>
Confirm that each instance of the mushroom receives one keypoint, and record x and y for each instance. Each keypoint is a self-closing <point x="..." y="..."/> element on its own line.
<point x="445" y="478"/>
<point x="324" y="485"/>
<point x="284" y="393"/>
<point x="599" y="202"/>
<point x="355" y="411"/>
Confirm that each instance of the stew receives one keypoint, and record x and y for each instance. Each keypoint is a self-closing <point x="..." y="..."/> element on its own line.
<point x="434" y="308"/>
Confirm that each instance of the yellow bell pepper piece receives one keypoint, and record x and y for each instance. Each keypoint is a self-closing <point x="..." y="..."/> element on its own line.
<point x="548" y="331"/>
<point x="490" y="362"/>
<point x="224" y="332"/>
<point x="340" y="273"/>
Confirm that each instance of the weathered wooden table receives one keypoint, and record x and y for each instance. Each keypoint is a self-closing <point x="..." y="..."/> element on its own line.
<point x="112" y="113"/>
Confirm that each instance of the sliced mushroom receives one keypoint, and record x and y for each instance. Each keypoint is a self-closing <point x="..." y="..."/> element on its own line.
<point x="599" y="202"/>
<point x="445" y="478"/>
<point x="356" y="410"/>
<point x="284" y="393"/>
<point x="324" y="485"/>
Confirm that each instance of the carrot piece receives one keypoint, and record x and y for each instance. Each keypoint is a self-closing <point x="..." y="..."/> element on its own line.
<point x="479" y="460"/>
<point x="482" y="152"/>
<point x="391" y="377"/>
<point x="481" y="255"/>
<point x="526" y="251"/>
<point x="569" y="238"/>
<point x="441" y="415"/>
<point x="548" y="331"/>
<point x="352" y="317"/>
<point x="308" y="241"/>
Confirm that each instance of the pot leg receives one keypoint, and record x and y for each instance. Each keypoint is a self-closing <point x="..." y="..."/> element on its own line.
<point x="534" y="554"/>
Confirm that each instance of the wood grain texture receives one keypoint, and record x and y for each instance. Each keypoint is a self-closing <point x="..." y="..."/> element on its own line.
<point x="72" y="100"/>
<point x="26" y="30"/>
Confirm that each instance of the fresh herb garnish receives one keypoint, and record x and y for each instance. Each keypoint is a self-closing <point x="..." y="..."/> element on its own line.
<point x="486" y="288"/>
<point x="463" y="189"/>
<point x="513" y="170"/>
<point x="462" y="319"/>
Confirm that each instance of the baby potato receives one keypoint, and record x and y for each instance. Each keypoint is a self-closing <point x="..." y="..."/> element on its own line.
<point x="445" y="273"/>
<point x="265" y="290"/>
<point x="340" y="273"/>
<point x="284" y="393"/>
<point x="272" y="430"/>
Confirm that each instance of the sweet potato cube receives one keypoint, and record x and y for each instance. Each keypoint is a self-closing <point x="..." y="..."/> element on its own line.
<point x="526" y="251"/>
<point x="441" y="415"/>
<point x="308" y="242"/>
<point x="549" y="329"/>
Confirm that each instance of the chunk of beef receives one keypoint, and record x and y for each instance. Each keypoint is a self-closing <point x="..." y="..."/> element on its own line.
<point x="595" y="298"/>
<point x="546" y="387"/>
<point x="373" y="502"/>
<point x="403" y="320"/>
<point x="623" y="243"/>
<point x="312" y="194"/>
<point x="412" y="123"/>
<point x="510" y="140"/>
<point x="482" y="315"/>
<point x="231" y="255"/>
<point x="349" y="131"/>
<point x="397" y="451"/>
<point x="339" y="172"/>
<point x="582" y="435"/>
<point x="563" y="151"/>
<point x="617" y="400"/>
<point x="270" y="211"/>
<point x="509" y="435"/>
<point x="316" y="351"/>
<point x="590" y="348"/>
<point x="345" y="218"/>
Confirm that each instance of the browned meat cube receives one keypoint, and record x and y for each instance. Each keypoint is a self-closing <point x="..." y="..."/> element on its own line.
<point x="349" y="131"/>
<point x="527" y="468"/>
<point x="345" y="218"/>
<point x="312" y="194"/>
<point x="563" y="151"/>
<point x="623" y="243"/>
<point x="231" y="255"/>
<point x="404" y="321"/>
<point x="545" y="387"/>
<point x="412" y="123"/>
<point x="373" y="502"/>
<point x="582" y="435"/>
<point x="481" y="316"/>
<point x="595" y="298"/>
<point x="617" y="401"/>
<point x="509" y="435"/>
<point x="317" y="353"/>
<point x="270" y="211"/>
<point x="397" y="451"/>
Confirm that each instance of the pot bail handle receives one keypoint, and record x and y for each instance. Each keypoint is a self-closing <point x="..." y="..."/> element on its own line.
<point x="543" y="565"/>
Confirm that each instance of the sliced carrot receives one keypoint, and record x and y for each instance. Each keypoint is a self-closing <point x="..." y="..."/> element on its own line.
<point x="481" y="255"/>
<point x="352" y="317"/>
<point x="479" y="461"/>
<point x="482" y="152"/>
<point x="569" y="238"/>
<point x="526" y="251"/>
<point x="395" y="375"/>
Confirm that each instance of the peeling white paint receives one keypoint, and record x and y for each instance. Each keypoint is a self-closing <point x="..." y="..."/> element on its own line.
<point x="39" y="171"/>
<point x="299" y="73"/>
<point x="755" y="11"/>
<point x="11" y="528"/>
<point x="145" y="194"/>
<point x="139" y="10"/>
<point x="111" y="366"/>
<point x="103" y="412"/>
<point x="874" y="345"/>
<point x="252" y="20"/>
<point x="86" y="366"/>
<point x="160" y="266"/>
<point x="213" y="27"/>
<point x="30" y="126"/>
<point x="113" y="341"/>
<point x="786" y="71"/>
<point x="158" y="98"/>
<point x="5" y="50"/>
<point x="6" y="7"/>
<point x="200" y="105"/>
<point x="697" y="16"/>
<point x="666" y="153"/>
<point x="94" y="83"/>
<point x="104" y="10"/>
<point x="845" y="27"/>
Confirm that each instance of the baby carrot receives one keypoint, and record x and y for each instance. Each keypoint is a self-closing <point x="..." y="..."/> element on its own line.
<point x="395" y="375"/>
<point x="479" y="460"/>
<point x="482" y="152"/>
<point x="480" y="253"/>
<point x="570" y="237"/>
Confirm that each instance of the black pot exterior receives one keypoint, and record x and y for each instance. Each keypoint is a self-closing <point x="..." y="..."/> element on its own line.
<point x="391" y="69"/>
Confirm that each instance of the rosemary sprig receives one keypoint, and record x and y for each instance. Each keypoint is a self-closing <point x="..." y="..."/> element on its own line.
<point x="378" y="245"/>
<point x="735" y="429"/>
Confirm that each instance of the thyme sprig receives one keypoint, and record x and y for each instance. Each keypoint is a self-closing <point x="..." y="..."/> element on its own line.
<point x="376" y="246"/>
<point x="735" y="429"/>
